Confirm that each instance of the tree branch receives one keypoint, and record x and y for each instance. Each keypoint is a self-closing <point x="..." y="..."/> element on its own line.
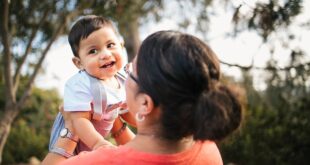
<point x="67" y="18"/>
<point x="268" y="68"/>
<point x="39" y="64"/>
<point x="28" y="49"/>
<point x="10" y="95"/>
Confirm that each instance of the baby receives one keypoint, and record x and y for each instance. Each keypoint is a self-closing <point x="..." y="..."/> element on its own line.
<point x="98" y="54"/>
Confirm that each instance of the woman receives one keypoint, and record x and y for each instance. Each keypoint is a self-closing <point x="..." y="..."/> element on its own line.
<point x="179" y="104"/>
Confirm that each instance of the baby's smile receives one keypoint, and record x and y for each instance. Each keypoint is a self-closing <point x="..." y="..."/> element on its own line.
<point x="108" y="65"/>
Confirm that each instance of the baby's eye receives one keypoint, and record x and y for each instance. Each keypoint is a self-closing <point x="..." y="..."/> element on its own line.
<point x="93" y="51"/>
<point x="111" y="45"/>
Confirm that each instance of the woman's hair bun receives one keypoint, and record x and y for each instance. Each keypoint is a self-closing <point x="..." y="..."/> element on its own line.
<point x="218" y="113"/>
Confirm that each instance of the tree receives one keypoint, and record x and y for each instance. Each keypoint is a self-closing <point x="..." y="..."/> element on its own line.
<point x="277" y="119"/>
<point x="129" y="17"/>
<point x="28" y="29"/>
<point x="30" y="131"/>
<point x="276" y="126"/>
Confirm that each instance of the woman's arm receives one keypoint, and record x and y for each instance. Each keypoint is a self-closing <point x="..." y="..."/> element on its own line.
<point x="62" y="143"/>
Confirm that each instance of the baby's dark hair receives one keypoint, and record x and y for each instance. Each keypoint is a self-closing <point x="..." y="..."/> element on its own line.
<point x="181" y="74"/>
<point x="84" y="27"/>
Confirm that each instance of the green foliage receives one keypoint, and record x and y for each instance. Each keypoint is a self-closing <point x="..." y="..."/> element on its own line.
<point x="25" y="18"/>
<point x="31" y="130"/>
<point x="126" y="11"/>
<point x="276" y="129"/>
<point x="268" y="16"/>
<point x="23" y="143"/>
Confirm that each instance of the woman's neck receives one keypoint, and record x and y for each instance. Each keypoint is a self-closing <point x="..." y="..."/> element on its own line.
<point x="152" y="143"/>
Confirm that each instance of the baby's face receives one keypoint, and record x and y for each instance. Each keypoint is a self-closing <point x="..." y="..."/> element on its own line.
<point x="101" y="53"/>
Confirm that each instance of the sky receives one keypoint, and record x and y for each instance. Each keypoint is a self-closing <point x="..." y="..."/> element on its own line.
<point x="241" y="50"/>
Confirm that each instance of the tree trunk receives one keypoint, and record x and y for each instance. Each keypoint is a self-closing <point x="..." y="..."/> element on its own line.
<point x="130" y="32"/>
<point x="5" y="126"/>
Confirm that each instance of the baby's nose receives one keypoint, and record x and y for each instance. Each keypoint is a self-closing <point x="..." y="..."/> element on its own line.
<point x="105" y="54"/>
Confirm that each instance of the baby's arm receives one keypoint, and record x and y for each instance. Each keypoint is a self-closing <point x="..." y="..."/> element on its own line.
<point x="86" y="131"/>
<point x="129" y="119"/>
<point x="121" y="134"/>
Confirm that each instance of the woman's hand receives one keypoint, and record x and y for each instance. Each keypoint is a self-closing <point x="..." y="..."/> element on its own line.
<point x="65" y="144"/>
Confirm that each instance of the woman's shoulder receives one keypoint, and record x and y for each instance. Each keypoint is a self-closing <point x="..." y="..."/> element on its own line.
<point x="208" y="145"/>
<point x="209" y="153"/>
<point x="201" y="153"/>
<point x="99" y="156"/>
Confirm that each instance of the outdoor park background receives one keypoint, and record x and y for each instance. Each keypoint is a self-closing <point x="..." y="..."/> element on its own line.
<point x="263" y="46"/>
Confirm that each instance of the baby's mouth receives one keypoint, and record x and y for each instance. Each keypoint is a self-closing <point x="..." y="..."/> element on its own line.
<point x="108" y="65"/>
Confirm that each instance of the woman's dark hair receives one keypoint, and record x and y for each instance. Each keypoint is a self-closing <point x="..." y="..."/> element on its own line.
<point x="181" y="74"/>
<point x="84" y="27"/>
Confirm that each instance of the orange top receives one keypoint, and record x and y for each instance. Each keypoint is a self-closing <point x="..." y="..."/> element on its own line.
<point x="202" y="153"/>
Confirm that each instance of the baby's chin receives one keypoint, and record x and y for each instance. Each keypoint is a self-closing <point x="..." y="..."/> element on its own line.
<point x="108" y="75"/>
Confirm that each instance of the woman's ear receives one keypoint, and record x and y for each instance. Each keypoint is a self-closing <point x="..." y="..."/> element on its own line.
<point x="77" y="62"/>
<point x="146" y="103"/>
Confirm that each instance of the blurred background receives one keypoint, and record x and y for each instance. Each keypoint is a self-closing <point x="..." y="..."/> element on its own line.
<point x="262" y="46"/>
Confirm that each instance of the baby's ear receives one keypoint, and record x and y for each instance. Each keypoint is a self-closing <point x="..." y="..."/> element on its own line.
<point x="77" y="62"/>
